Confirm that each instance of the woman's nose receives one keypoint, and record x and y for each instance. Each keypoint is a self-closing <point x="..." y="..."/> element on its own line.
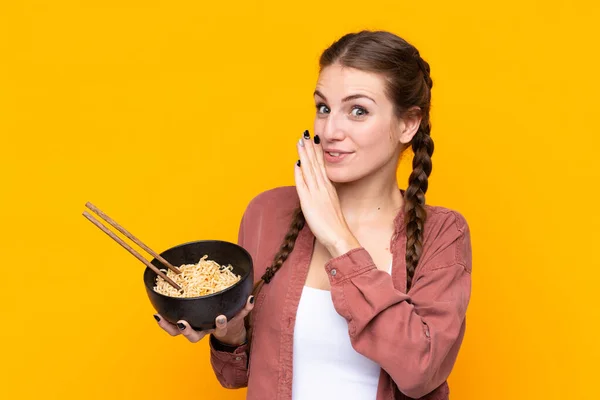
<point x="333" y="129"/>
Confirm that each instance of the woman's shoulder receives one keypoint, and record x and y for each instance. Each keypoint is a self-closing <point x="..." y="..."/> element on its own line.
<point x="265" y="222"/>
<point x="282" y="198"/>
<point x="273" y="205"/>
<point x="439" y="217"/>
<point x="446" y="237"/>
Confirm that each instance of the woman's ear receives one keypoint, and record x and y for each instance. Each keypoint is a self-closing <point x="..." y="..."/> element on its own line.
<point x="409" y="125"/>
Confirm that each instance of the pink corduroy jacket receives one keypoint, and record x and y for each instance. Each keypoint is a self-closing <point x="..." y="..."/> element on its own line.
<point x="415" y="337"/>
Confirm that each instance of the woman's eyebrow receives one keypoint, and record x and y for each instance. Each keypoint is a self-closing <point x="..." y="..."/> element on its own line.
<point x="347" y="98"/>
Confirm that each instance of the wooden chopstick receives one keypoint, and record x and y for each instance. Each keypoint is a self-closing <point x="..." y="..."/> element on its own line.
<point x="118" y="227"/>
<point x="129" y="249"/>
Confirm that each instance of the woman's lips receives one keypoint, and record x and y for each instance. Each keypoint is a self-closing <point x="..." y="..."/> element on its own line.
<point x="335" y="156"/>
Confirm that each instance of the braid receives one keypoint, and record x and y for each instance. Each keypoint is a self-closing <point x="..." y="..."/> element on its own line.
<point x="422" y="146"/>
<point x="286" y="248"/>
<point x="416" y="215"/>
<point x="425" y="69"/>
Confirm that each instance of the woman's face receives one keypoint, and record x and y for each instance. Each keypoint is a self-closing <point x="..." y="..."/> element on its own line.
<point x="356" y="123"/>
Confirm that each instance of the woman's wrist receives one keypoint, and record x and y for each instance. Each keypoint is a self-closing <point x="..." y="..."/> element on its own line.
<point x="226" y="347"/>
<point x="343" y="245"/>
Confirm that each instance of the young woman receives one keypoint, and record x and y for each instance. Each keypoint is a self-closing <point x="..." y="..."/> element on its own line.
<point x="362" y="289"/>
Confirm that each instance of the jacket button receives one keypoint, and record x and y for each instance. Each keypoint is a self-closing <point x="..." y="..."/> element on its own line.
<point x="333" y="272"/>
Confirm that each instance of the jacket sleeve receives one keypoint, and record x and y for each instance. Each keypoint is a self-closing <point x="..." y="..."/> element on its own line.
<point x="231" y="365"/>
<point x="413" y="336"/>
<point x="231" y="368"/>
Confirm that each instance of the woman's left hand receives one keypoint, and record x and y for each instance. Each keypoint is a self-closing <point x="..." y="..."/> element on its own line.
<point x="319" y="201"/>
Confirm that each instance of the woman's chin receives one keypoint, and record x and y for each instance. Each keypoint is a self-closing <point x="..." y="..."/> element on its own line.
<point x="341" y="177"/>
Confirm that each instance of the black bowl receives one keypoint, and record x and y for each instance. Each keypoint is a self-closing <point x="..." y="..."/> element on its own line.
<point x="201" y="312"/>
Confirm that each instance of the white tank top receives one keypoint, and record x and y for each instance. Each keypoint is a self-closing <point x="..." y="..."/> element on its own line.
<point x="325" y="365"/>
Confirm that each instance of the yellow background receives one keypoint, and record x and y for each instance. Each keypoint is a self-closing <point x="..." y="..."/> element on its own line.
<point x="171" y="116"/>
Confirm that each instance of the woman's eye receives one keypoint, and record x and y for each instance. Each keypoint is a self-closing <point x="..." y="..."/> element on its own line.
<point x="322" y="109"/>
<point x="358" y="112"/>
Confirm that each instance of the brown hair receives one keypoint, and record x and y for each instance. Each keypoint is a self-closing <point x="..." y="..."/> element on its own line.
<point x="408" y="85"/>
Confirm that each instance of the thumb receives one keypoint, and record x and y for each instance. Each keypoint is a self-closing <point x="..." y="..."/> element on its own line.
<point x="221" y="324"/>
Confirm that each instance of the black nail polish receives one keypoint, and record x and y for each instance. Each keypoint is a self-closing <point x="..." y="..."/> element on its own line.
<point x="181" y="326"/>
<point x="252" y="300"/>
<point x="317" y="139"/>
<point x="156" y="317"/>
<point x="306" y="135"/>
<point x="298" y="163"/>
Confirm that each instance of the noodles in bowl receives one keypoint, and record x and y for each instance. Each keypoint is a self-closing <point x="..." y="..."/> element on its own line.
<point x="216" y="277"/>
<point x="196" y="280"/>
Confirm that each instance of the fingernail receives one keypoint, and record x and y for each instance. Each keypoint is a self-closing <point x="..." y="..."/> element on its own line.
<point x="317" y="139"/>
<point x="156" y="317"/>
<point x="306" y="135"/>
<point x="298" y="163"/>
<point x="181" y="326"/>
<point x="221" y="320"/>
<point x="252" y="298"/>
<point x="301" y="142"/>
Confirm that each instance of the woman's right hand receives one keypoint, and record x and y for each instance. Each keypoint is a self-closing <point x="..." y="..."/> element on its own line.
<point x="232" y="332"/>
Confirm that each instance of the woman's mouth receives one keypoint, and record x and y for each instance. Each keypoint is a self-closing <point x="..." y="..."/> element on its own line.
<point x="335" y="156"/>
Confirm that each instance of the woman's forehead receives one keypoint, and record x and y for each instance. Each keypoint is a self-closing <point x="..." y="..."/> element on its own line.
<point x="337" y="82"/>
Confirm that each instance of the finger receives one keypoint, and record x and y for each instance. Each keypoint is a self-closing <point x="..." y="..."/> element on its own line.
<point x="312" y="156"/>
<point x="301" y="187"/>
<point x="306" y="166"/>
<point x="310" y="151"/>
<point x="246" y="310"/>
<point x="320" y="156"/>
<point x="221" y="324"/>
<point x="315" y="154"/>
<point x="166" y="325"/>
<point x="187" y="331"/>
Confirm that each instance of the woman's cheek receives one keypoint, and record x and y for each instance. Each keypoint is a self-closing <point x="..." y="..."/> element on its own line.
<point x="319" y="126"/>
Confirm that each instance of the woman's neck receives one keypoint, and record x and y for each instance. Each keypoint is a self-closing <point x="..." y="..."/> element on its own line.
<point x="369" y="199"/>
